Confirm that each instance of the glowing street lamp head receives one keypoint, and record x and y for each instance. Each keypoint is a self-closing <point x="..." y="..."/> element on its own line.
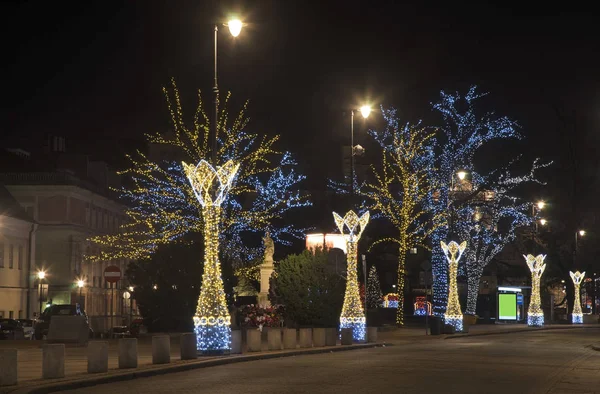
<point x="540" y="205"/>
<point x="80" y="283"/>
<point x="581" y="233"/>
<point x="461" y="175"/>
<point x="365" y="110"/>
<point x="41" y="274"/>
<point x="543" y="222"/>
<point x="235" y="27"/>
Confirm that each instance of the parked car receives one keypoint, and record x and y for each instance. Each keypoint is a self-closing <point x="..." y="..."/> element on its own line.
<point x="27" y="325"/>
<point x="42" y="324"/>
<point x="11" y="329"/>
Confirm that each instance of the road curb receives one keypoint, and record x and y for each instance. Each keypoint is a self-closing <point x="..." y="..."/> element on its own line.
<point x="120" y="375"/>
<point x="520" y="330"/>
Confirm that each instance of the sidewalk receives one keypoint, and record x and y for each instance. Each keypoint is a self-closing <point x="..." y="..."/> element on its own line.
<point x="30" y="364"/>
<point x="417" y="334"/>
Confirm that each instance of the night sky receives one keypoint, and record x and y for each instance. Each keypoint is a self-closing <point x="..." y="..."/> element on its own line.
<point x="93" y="71"/>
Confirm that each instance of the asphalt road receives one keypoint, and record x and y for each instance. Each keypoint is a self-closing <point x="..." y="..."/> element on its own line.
<point x="560" y="361"/>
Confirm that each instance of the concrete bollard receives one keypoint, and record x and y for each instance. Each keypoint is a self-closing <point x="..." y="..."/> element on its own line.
<point x="8" y="367"/>
<point x="254" y="340"/>
<point x="274" y="338"/>
<point x="371" y="334"/>
<point x="331" y="336"/>
<point x="188" y="346"/>
<point x="128" y="353"/>
<point x="236" y="341"/>
<point x="97" y="352"/>
<point x="53" y="361"/>
<point x="161" y="349"/>
<point x="289" y="338"/>
<point x="319" y="337"/>
<point x="347" y="334"/>
<point x="305" y="337"/>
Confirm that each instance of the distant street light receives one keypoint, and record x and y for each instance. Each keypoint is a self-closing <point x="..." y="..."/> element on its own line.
<point x="235" y="27"/>
<point x="461" y="175"/>
<point x="80" y="284"/>
<point x="541" y="205"/>
<point x="41" y="275"/>
<point x="582" y="232"/>
<point x="543" y="222"/>
<point x="365" y="111"/>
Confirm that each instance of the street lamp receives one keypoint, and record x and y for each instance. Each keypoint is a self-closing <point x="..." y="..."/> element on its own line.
<point x="578" y="234"/>
<point x="461" y="175"/>
<point x="235" y="27"/>
<point x="80" y="284"/>
<point x="41" y="275"/>
<point x="543" y="222"/>
<point x="365" y="111"/>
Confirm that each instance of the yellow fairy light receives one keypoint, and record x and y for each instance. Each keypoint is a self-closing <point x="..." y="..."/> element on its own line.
<point x="453" y="314"/>
<point x="353" y="315"/>
<point x="212" y="319"/>
<point x="577" y="316"/>
<point x="535" y="314"/>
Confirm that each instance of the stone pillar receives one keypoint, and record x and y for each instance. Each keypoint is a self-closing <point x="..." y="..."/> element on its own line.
<point x="97" y="356"/>
<point x="254" y="340"/>
<point x="8" y="367"/>
<point x="161" y="349"/>
<point x="187" y="344"/>
<point x="347" y="336"/>
<point x="274" y="338"/>
<point x="319" y="337"/>
<point x="128" y="353"/>
<point x="289" y="338"/>
<point x="372" y="334"/>
<point x="305" y="337"/>
<point x="331" y="336"/>
<point x="236" y="341"/>
<point x="53" y="361"/>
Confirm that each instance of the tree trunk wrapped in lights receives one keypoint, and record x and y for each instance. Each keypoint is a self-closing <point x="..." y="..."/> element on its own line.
<point x="453" y="314"/>
<point x="577" y="316"/>
<point x="212" y="321"/>
<point x="353" y="315"/>
<point x="535" y="314"/>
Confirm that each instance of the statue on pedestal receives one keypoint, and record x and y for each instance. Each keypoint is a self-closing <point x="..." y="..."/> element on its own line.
<point x="266" y="269"/>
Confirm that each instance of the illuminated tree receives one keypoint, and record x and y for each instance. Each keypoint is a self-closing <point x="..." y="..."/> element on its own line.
<point x="374" y="295"/>
<point x="464" y="131"/>
<point x="401" y="188"/>
<point x="163" y="206"/>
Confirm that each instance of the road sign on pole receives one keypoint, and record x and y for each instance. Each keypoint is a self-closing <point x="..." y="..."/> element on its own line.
<point x="112" y="274"/>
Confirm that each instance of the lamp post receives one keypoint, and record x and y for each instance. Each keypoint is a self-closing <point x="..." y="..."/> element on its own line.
<point x="365" y="111"/>
<point x="41" y="275"/>
<point x="80" y="284"/>
<point x="235" y="27"/>
<point x="461" y="174"/>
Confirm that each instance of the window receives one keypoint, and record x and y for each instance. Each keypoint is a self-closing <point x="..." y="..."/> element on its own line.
<point x="11" y="262"/>
<point x="1" y="255"/>
<point x="11" y="314"/>
<point x="20" y="314"/>
<point x="20" y="261"/>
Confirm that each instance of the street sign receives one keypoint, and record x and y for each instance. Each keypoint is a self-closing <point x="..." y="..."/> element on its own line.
<point x="112" y="274"/>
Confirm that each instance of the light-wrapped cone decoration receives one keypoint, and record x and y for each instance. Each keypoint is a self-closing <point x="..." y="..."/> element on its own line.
<point x="353" y="315"/>
<point x="535" y="314"/>
<point x="577" y="315"/>
<point x="212" y="321"/>
<point x="453" y="252"/>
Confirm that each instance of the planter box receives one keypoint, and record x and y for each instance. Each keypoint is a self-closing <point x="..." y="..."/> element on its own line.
<point x="236" y="341"/>
<point x="274" y="338"/>
<point x="331" y="336"/>
<point x="590" y="319"/>
<point x="319" y="337"/>
<point x="289" y="338"/>
<point x="305" y="337"/>
<point x="253" y="340"/>
<point x="347" y="336"/>
<point x="372" y="334"/>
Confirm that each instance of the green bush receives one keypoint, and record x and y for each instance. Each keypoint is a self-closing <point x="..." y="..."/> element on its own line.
<point x="311" y="291"/>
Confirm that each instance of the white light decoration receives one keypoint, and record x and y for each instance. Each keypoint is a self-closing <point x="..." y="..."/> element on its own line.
<point x="577" y="315"/>
<point x="453" y="252"/>
<point x="353" y="315"/>
<point x="535" y="314"/>
<point x="212" y="321"/>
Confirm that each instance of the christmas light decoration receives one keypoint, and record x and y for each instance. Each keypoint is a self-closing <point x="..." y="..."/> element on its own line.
<point x="400" y="190"/>
<point x="535" y="314"/>
<point x="163" y="207"/>
<point x="390" y="300"/>
<point x="374" y="295"/>
<point x="422" y="306"/>
<point x="212" y="321"/>
<point x="453" y="252"/>
<point x="577" y="315"/>
<point x="353" y="315"/>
